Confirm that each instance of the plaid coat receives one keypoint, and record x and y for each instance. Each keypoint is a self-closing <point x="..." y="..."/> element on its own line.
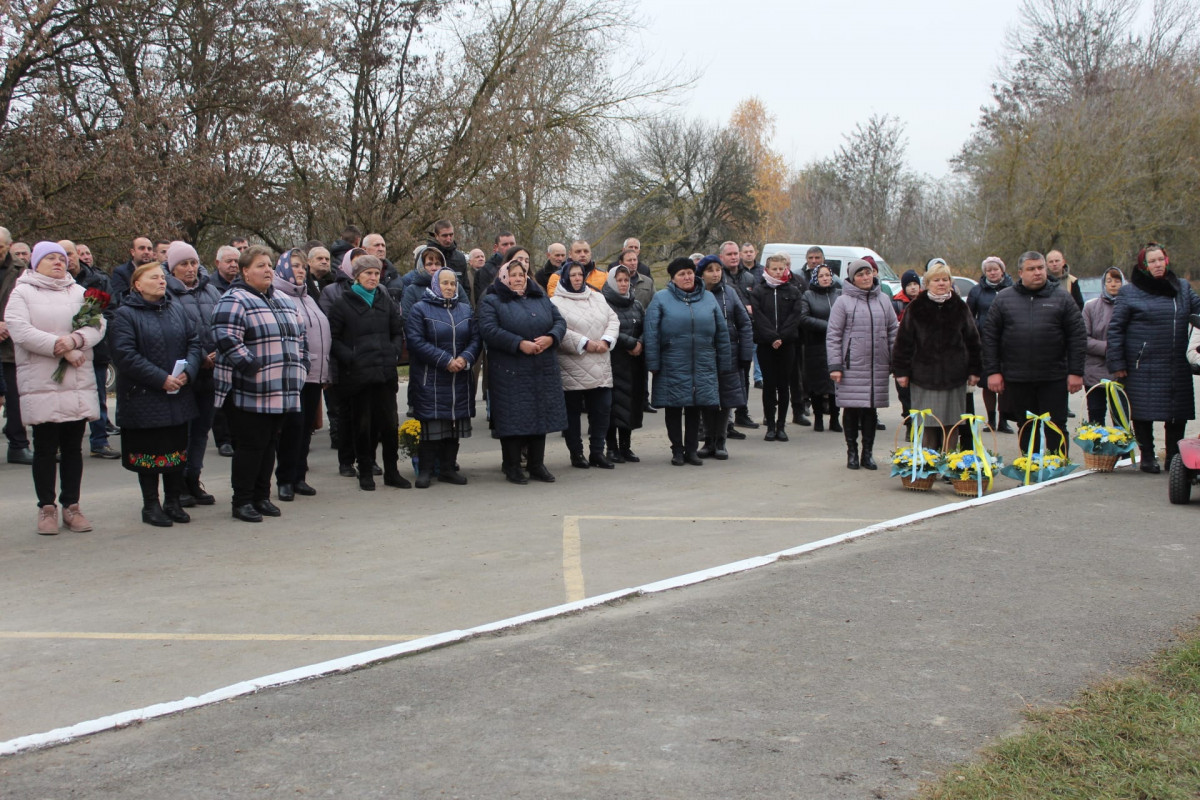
<point x="262" y="354"/>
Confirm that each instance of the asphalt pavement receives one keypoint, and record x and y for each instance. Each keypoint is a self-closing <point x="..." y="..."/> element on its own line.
<point x="852" y="671"/>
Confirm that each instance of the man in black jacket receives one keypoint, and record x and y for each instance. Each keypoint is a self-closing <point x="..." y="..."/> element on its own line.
<point x="742" y="282"/>
<point x="1056" y="265"/>
<point x="491" y="268"/>
<point x="141" y="251"/>
<point x="443" y="240"/>
<point x="19" y="451"/>
<point x="90" y="278"/>
<point x="556" y="256"/>
<point x="1034" y="344"/>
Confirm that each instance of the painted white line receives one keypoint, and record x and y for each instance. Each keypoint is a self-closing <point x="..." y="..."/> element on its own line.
<point x="369" y="657"/>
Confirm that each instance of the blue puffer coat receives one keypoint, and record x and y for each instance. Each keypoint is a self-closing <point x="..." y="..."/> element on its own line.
<point x="147" y="338"/>
<point x="1148" y="337"/>
<point x="439" y="331"/>
<point x="525" y="391"/>
<point x="687" y="347"/>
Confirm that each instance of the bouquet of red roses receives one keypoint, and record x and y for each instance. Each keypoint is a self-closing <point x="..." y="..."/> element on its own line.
<point x="89" y="315"/>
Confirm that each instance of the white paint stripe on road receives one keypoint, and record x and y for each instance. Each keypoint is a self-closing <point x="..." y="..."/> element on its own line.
<point x="359" y="660"/>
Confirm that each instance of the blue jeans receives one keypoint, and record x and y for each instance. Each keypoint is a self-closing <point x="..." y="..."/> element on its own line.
<point x="99" y="427"/>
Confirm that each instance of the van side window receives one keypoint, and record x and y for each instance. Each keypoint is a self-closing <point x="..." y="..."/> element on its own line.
<point x="835" y="266"/>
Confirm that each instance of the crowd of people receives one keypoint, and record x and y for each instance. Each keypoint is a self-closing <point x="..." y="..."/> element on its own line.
<point x="261" y="350"/>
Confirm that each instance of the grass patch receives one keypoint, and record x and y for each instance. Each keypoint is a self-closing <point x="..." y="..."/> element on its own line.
<point x="1134" y="737"/>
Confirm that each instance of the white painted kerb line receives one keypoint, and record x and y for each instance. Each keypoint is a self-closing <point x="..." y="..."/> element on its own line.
<point x="359" y="660"/>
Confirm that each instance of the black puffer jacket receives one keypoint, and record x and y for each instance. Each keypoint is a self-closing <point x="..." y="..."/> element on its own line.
<point x="741" y="343"/>
<point x="937" y="345"/>
<point x="1034" y="336"/>
<point x="366" y="340"/>
<point x="147" y="339"/>
<point x="776" y="312"/>
<point x="629" y="371"/>
<point x="92" y="278"/>
<point x="1148" y="337"/>
<point x="815" y="307"/>
<point x="743" y="281"/>
<point x="980" y="298"/>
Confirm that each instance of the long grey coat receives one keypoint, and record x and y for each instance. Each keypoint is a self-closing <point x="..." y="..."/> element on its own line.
<point x="858" y="343"/>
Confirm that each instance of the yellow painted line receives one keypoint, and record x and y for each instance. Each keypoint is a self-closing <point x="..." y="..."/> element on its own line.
<point x="573" y="544"/>
<point x="208" y="637"/>
<point x="572" y="560"/>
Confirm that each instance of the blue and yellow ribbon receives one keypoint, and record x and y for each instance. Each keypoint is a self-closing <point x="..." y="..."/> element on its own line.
<point x="974" y="421"/>
<point x="918" y="436"/>
<point x="1041" y="422"/>
<point x="1114" y="390"/>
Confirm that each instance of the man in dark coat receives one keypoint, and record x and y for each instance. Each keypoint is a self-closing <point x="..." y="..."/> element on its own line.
<point x="636" y="246"/>
<point x="223" y="276"/>
<point x="19" y="451"/>
<point x="741" y="282"/>
<point x="1034" y="345"/>
<point x="141" y="252"/>
<point x="491" y="268"/>
<point x="90" y="278"/>
<point x="556" y="256"/>
<point x="1060" y="273"/>
<point x="350" y="238"/>
<point x="443" y="239"/>
<point x="750" y="260"/>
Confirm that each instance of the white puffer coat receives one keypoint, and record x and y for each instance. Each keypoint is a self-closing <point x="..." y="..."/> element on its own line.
<point x="589" y="319"/>
<point x="39" y="311"/>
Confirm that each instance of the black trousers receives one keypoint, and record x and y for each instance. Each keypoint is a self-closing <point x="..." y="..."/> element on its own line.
<point x="860" y="420"/>
<point x="61" y="441"/>
<point x="798" y="391"/>
<point x="776" y="366"/>
<point x="683" y="426"/>
<point x="1040" y="397"/>
<point x="295" y="437"/>
<point x="255" y="442"/>
<point x="200" y="425"/>
<point x="13" y="428"/>
<point x="534" y="448"/>
<point x="373" y="420"/>
<point x="598" y="404"/>
<point x="1143" y="431"/>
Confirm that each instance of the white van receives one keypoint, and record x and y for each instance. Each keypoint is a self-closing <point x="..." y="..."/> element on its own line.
<point x="836" y="256"/>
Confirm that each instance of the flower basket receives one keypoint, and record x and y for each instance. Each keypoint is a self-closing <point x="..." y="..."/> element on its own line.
<point x="971" y="471"/>
<point x="1103" y="445"/>
<point x="1037" y="465"/>
<point x="917" y="466"/>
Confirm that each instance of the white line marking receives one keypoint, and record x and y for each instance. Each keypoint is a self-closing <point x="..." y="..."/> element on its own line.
<point x="359" y="660"/>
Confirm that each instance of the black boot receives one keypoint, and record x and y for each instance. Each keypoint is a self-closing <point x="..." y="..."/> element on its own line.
<point x="851" y="434"/>
<point x="196" y="490"/>
<point x="719" y="452"/>
<point x="175" y="511"/>
<point x="425" y="458"/>
<point x="781" y="429"/>
<point x="868" y="444"/>
<point x="769" y="436"/>
<point x="835" y="424"/>
<point x="851" y="455"/>
<point x="818" y="421"/>
<point x="153" y="514"/>
<point x="449" y="470"/>
<point x="708" y="449"/>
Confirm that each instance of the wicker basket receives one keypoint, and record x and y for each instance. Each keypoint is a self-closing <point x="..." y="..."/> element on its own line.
<point x="969" y="487"/>
<point x="918" y="485"/>
<point x="1100" y="463"/>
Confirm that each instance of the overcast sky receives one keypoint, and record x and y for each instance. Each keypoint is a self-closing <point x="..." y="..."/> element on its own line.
<point x="821" y="67"/>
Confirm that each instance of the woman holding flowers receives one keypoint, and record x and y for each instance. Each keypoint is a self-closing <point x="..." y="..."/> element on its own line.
<point x="54" y="328"/>
<point x="1147" y="342"/>
<point x="151" y="335"/>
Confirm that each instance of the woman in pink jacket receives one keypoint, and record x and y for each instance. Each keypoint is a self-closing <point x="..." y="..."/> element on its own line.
<point x="40" y="316"/>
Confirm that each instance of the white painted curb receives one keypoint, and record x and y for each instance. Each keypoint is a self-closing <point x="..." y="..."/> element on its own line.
<point x="377" y="655"/>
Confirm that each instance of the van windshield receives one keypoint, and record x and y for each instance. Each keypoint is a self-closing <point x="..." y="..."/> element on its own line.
<point x="885" y="271"/>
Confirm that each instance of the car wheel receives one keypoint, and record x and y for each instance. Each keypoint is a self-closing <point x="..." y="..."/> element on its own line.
<point x="110" y="380"/>
<point x="1179" y="482"/>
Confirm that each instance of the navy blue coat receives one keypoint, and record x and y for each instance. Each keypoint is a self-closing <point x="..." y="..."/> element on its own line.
<point x="1148" y="337"/>
<point x="525" y="391"/>
<point x="439" y="331"/>
<point x="979" y="299"/>
<point x="147" y="339"/>
<point x="687" y="346"/>
<point x="741" y="342"/>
